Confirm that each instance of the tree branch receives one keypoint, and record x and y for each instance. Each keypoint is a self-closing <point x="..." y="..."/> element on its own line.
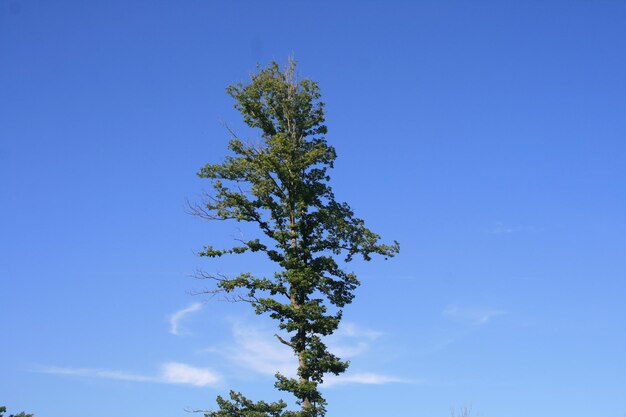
<point x="283" y="341"/>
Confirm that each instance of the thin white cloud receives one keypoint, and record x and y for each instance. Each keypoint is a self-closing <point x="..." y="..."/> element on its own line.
<point x="260" y="352"/>
<point x="96" y="373"/>
<point x="348" y="350"/>
<point x="351" y="340"/>
<point x="349" y="329"/>
<point x="500" y="228"/>
<point x="366" y="378"/>
<point x="257" y="350"/>
<point x="180" y="373"/>
<point x="176" y="317"/>
<point x="472" y="319"/>
<point x="475" y="316"/>
<point x="170" y="373"/>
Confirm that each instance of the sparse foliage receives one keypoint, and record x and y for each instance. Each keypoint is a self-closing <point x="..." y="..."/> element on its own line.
<point x="282" y="187"/>
<point x="3" y="410"/>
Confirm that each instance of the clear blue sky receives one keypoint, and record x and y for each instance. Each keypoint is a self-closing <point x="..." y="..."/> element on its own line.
<point x="487" y="137"/>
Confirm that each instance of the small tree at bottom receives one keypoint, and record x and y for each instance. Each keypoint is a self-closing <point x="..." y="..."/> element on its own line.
<point x="3" y="410"/>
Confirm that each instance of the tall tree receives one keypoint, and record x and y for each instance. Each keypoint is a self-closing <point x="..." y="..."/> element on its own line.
<point x="281" y="186"/>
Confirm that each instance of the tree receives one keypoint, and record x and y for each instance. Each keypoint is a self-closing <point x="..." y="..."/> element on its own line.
<point x="3" y="410"/>
<point x="282" y="187"/>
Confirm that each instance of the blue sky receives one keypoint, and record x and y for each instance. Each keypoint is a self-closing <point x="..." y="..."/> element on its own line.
<point x="486" y="137"/>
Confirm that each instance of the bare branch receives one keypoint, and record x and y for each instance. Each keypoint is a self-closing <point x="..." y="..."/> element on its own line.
<point x="228" y="128"/>
<point x="200" y="210"/>
<point x="283" y="341"/>
<point x="200" y="274"/>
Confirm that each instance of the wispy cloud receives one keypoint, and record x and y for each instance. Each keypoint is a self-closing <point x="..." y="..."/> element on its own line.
<point x="96" y="373"/>
<point x="468" y="320"/>
<point x="363" y="378"/>
<point x="180" y="373"/>
<point x="176" y="317"/>
<point x="499" y="228"/>
<point x="475" y="316"/>
<point x="351" y="340"/>
<point x="260" y="352"/>
<point x="170" y="373"/>
<point x="349" y="329"/>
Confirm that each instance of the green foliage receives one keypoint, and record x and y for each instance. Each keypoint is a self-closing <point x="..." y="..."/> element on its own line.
<point x="281" y="186"/>
<point x="22" y="414"/>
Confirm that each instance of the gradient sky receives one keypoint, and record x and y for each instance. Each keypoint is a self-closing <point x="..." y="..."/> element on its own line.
<point x="487" y="137"/>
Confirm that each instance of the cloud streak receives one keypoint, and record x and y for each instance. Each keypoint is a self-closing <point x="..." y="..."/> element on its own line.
<point x="366" y="378"/>
<point x="349" y="329"/>
<point x="502" y="229"/>
<point x="180" y="373"/>
<point x="176" y="317"/>
<point x="351" y="340"/>
<point x="170" y="373"/>
<point x="259" y="352"/>
<point x="475" y="316"/>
